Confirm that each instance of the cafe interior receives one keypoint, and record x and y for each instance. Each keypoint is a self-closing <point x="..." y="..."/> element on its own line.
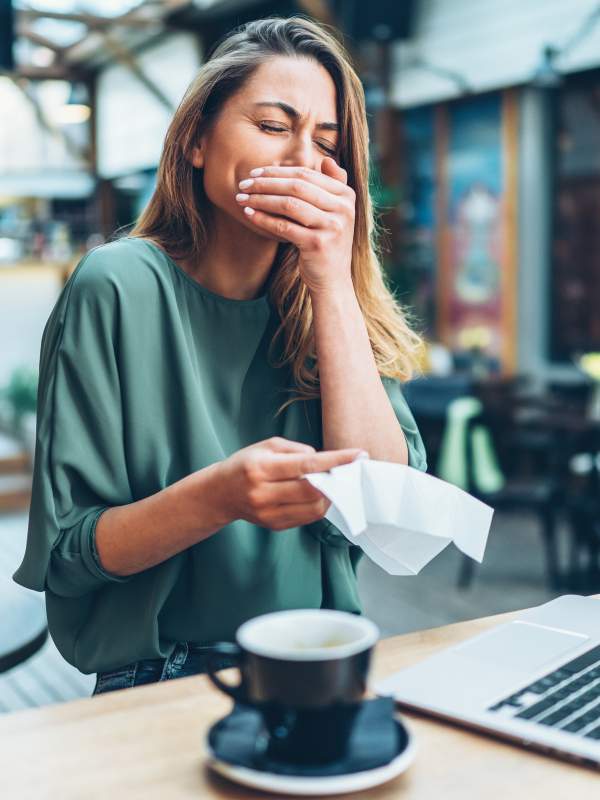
<point x="484" y="153"/>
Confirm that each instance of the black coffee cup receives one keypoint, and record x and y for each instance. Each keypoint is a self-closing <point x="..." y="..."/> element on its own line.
<point x="306" y="672"/>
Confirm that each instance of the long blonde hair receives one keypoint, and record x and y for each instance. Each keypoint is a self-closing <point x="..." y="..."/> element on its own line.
<point x="176" y="214"/>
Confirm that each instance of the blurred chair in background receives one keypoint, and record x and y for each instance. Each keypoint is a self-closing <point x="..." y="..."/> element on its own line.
<point x="530" y="459"/>
<point x="571" y="396"/>
<point x="429" y="398"/>
<point x="583" y="512"/>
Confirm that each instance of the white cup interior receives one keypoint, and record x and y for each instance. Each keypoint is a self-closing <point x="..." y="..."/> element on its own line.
<point x="307" y="635"/>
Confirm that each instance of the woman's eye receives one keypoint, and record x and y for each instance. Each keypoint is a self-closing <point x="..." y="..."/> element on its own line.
<point x="328" y="149"/>
<point x="268" y="127"/>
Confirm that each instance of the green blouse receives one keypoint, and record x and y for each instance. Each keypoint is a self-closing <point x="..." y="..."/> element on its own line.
<point x="145" y="377"/>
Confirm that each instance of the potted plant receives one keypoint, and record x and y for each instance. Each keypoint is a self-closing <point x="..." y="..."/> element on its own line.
<point x="19" y="403"/>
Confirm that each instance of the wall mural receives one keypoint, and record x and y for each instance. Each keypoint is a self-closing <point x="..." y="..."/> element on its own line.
<point x="459" y="233"/>
<point x="473" y="307"/>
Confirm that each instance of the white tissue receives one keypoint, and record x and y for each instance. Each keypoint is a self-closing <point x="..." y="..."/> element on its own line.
<point x="401" y="517"/>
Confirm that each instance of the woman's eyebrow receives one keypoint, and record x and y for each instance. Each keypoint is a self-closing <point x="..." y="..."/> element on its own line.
<point x="291" y="112"/>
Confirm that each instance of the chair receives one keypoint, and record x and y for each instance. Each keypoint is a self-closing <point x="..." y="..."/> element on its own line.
<point x="582" y="504"/>
<point x="428" y="398"/>
<point x="23" y="629"/>
<point x="536" y="491"/>
<point x="570" y="394"/>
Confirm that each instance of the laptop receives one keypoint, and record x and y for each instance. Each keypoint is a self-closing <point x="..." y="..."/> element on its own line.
<point x="534" y="680"/>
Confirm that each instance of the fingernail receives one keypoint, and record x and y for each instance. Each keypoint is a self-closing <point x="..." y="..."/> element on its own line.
<point x="256" y="172"/>
<point x="362" y="454"/>
<point x="242" y="196"/>
<point x="245" y="184"/>
<point x="248" y="210"/>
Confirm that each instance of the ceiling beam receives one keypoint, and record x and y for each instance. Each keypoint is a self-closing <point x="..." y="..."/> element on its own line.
<point x="126" y="58"/>
<point x="58" y="72"/>
<point x="143" y="18"/>
<point x="77" y="152"/>
<point x="92" y="21"/>
<point x="36" y="38"/>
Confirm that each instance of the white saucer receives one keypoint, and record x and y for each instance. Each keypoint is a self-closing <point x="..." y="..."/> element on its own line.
<point x="316" y="786"/>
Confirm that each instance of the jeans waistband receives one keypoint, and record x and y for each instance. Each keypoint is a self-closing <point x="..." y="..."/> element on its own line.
<point x="187" y="658"/>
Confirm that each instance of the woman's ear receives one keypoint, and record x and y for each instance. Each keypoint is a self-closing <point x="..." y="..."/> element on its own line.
<point x="197" y="158"/>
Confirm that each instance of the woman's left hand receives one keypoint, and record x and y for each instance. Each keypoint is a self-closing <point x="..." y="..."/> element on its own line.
<point x="313" y="210"/>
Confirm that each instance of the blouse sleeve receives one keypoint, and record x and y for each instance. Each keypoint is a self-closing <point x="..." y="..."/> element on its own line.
<point x="325" y="530"/>
<point x="80" y="468"/>
<point x="417" y="456"/>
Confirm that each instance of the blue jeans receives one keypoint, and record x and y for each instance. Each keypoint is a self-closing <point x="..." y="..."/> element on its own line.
<point x="186" y="659"/>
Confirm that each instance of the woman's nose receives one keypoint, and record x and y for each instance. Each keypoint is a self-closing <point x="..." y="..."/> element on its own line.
<point x="300" y="153"/>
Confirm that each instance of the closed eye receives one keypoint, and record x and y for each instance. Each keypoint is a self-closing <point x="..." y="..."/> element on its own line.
<point x="267" y="127"/>
<point x="329" y="150"/>
<point x="277" y="129"/>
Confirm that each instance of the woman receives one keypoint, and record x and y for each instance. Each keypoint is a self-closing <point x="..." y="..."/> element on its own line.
<point x="168" y="501"/>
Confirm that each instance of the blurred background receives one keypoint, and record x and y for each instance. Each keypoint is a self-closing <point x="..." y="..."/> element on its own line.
<point x="484" y="122"/>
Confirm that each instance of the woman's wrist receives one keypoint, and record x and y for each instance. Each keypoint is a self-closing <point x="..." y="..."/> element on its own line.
<point x="139" y="535"/>
<point x="340" y="293"/>
<point x="207" y="496"/>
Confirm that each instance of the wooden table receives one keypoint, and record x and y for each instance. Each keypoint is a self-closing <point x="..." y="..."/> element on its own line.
<point x="148" y="742"/>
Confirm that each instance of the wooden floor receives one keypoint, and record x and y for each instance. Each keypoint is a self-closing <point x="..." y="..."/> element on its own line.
<point x="512" y="576"/>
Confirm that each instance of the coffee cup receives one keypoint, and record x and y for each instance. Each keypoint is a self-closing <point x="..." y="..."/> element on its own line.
<point x="305" y="671"/>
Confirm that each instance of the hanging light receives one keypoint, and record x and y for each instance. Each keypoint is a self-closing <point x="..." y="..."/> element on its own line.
<point x="77" y="109"/>
<point x="546" y="75"/>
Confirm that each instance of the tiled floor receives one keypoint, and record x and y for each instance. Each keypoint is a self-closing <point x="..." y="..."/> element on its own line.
<point x="512" y="576"/>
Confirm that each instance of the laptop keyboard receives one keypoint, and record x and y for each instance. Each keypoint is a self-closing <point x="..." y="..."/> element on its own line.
<point x="568" y="698"/>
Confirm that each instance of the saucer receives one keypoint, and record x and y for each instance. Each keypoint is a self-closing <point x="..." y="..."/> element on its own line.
<point x="309" y="785"/>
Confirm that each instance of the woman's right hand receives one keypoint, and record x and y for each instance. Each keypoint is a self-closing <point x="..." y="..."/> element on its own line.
<point x="263" y="483"/>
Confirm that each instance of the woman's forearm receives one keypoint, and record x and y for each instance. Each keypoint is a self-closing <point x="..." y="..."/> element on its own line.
<point x="356" y="410"/>
<point x="137" y="536"/>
